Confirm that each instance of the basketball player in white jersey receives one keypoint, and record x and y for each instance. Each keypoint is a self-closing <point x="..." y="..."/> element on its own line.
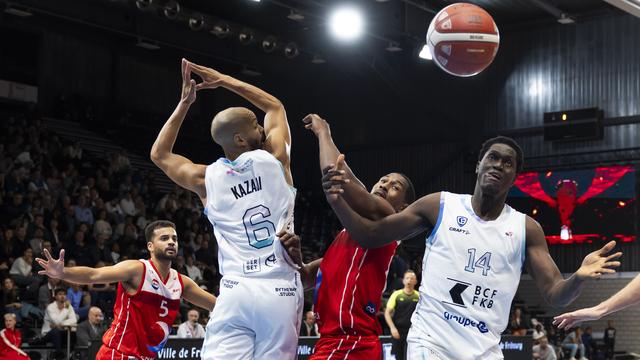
<point x="473" y="258"/>
<point x="248" y="197"/>
<point x="148" y="297"/>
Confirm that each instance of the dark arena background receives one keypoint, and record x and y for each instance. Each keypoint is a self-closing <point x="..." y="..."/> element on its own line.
<point x="86" y="85"/>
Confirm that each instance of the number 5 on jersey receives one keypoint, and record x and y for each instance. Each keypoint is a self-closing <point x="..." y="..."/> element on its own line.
<point x="164" y="310"/>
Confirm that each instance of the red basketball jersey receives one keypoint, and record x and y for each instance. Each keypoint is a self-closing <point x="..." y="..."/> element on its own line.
<point x="156" y="299"/>
<point x="349" y="287"/>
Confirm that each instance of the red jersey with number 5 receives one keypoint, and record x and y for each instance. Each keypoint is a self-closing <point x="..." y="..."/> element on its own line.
<point x="155" y="300"/>
<point x="349" y="287"/>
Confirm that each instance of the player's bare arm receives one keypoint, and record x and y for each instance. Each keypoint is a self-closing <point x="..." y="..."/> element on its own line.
<point x="388" y="317"/>
<point x="355" y="193"/>
<point x="416" y="218"/>
<point x="276" y="126"/>
<point x="195" y="295"/>
<point x="556" y="290"/>
<point x="628" y="296"/>
<point x="178" y="168"/>
<point x="128" y="272"/>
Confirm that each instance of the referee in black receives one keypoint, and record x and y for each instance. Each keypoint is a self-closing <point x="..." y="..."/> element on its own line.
<point x="400" y="307"/>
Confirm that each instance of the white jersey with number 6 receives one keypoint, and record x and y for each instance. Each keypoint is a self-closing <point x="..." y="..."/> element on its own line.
<point x="248" y="202"/>
<point x="470" y="273"/>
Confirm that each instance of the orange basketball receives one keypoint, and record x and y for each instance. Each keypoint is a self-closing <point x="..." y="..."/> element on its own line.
<point x="463" y="39"/>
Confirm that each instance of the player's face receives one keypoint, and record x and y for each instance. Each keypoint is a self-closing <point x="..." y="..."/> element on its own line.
<point x="497" y="169"/>
<point x="255" y="135"/>
<point x="392" y="188"/>
<point x="165" y="244"/>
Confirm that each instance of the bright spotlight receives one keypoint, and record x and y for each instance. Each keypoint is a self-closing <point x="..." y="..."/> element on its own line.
<point x="346" y="23"/>
<point x="425" y="53"/>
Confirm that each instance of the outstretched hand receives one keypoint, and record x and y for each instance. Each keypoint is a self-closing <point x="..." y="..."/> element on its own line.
<point x="571" y="319"/>
<point x="333" y="179"/>
<point x="598" y="262"/>
<point x="211" y="78"/>
<point x="188" y="85"/>
<point x="52" y="268"/>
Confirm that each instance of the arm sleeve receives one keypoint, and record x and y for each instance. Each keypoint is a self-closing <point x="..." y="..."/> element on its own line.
<point x="391" y="304"/>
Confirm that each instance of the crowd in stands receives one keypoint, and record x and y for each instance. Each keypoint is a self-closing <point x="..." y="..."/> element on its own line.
<point x="579" y="343"/>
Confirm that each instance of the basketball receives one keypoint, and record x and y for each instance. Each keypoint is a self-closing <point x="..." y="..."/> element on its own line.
<point x="463" y="39"/>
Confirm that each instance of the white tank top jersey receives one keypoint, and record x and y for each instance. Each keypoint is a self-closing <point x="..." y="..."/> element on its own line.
<point x="248" y="202"/>
<point x="470" y="273"/>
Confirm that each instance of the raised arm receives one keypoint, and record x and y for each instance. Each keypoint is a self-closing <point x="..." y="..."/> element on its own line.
<point x="629" y="295"/>
<point x="416" y="218"/>
<point x="355" y="193"/>
<point x="559" y="292"/>
<point x="178" y="168"/>
<point x="195" y="295"/>
<point x="129" y="271"/>
<point x="276" y="126"/>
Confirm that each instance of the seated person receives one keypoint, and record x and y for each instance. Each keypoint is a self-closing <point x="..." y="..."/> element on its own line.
<point x="91" y="329"/>
<point x="10" y="340"/>
<point x="58" y="316"/>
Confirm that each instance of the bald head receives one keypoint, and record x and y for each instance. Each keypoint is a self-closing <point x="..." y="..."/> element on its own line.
<point x="95" y="315"/>
<point x="231" y="122"/>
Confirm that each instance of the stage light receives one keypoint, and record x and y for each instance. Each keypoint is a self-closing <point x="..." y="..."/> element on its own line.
<point x="245" y="36"/>
<point x="291" y="50"/>
<point x="317" y="59"/>
<point x="171" y="10"/>
<point x="535" y="88"/>
<point x="196" y="22"/>
<point x="622" y="203"/>
<point x="143" y="4"/>
<point x="425" y="53"/>
<point x="269" y="44"/>
<point x="393" y="47"/>
<point x="295" y="16"/>
<point x="221" y="30"/>
<point x="346" y="23"/>
<point x="548" y="174"/>
<point x="564" y="117"/>
<point x="534" y="212"/>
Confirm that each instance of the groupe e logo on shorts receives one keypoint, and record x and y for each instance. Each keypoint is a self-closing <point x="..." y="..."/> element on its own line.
<point x="464" y="321"/>
<point x="255" y="264"/>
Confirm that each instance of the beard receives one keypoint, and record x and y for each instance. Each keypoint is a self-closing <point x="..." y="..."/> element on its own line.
<point x="162" y="255"/>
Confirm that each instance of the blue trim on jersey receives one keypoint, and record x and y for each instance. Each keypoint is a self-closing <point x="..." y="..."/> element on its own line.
<point x="523" y="255"/>
<point x="317" y="287"/>
<point x="432" y="237"/>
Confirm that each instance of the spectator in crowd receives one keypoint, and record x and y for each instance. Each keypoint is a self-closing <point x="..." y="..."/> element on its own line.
<point x="573" y="343"/>
<point x="11" y="340"/>
<point x="191" y="328"/>
<point x="21" y="271"/>
<point x="609" y="340"/>
<point x="589" y="343"/>
<point x="79" y="299"/>
<point x="46" y="293"/>
<point x="518" y="324"/>
<point x="58" y="317"/>
<point x="13" y="304"/>
<point x="544" y="351"/>
<point x="538" y="332"/>
<point x="398" y="313"/>
<point x="193" y="271"/>
<point x="83" y="213"/>
<point x="91" y="329"/>
<point x="309" y="326"/>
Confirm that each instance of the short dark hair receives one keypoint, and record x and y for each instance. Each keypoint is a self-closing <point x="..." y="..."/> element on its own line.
<point x="506" y="141"/>
<point x="59" y="290"/>
<point x="409" y="271"/>
<point x="409" y="192"/>
<point x="158" y="224"/>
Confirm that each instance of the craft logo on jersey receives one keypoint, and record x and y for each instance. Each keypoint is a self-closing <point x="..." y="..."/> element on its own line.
<point x="462" y="221"/>
<point x="155" y="284"/>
